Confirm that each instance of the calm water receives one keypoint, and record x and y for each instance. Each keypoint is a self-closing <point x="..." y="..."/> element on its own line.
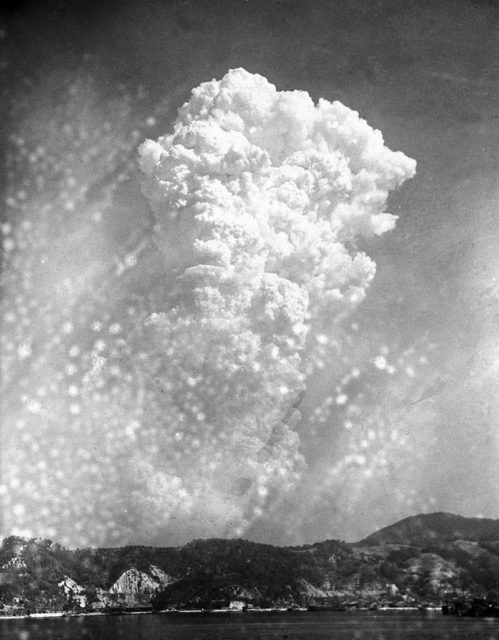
<point x="254" y="626"/>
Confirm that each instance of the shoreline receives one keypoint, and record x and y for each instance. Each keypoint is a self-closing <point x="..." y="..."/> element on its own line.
<point x="64" y="614"/>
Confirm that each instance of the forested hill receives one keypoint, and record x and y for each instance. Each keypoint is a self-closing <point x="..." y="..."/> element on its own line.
<point x="435" y="528"/>
<point x="427" y="558"/>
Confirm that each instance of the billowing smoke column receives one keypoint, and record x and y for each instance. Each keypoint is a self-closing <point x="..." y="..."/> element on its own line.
<point x="258" y="197"/>
<point x="167" y="376"/>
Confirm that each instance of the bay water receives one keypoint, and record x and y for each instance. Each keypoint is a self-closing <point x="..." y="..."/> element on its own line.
<point x="349" y="625"/>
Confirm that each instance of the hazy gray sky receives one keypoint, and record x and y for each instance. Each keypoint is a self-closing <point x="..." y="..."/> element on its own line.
<point x="88" y="452"/>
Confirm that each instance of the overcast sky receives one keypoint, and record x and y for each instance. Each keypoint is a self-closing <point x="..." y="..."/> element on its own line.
<point x="402" y="418"/>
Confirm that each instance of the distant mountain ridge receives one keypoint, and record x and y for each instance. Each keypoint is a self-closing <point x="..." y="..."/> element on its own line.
<point x="425" y="558"/>
<point x="434" y="528"/>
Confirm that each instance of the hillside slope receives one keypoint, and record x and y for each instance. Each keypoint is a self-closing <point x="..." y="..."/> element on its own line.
<point x="428" y="558"/>
<point x="435" y="528"/>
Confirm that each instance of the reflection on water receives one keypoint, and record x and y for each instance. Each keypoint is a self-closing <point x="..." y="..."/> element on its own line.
<point x="254" y="626"/>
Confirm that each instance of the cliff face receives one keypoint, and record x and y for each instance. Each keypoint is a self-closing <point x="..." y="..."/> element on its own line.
<point x="134" y="582"/>
<point x="433" y="565"/>
<point x="137" y="587"/>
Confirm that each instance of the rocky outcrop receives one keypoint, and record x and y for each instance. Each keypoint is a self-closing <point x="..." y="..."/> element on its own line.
<point x="133" y="583"/>
<point x="309" y="591"/>
<point x="74" y="593"/>
<point x="433" y="573"/>
<point x="160" y="576"/>
<point x="17" y="562"/>
<point x="69" y="586"/>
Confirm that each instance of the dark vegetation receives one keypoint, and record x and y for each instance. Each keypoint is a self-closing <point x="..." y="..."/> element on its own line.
<point x="435" y="528"/>
<point x="428" y="558"/>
